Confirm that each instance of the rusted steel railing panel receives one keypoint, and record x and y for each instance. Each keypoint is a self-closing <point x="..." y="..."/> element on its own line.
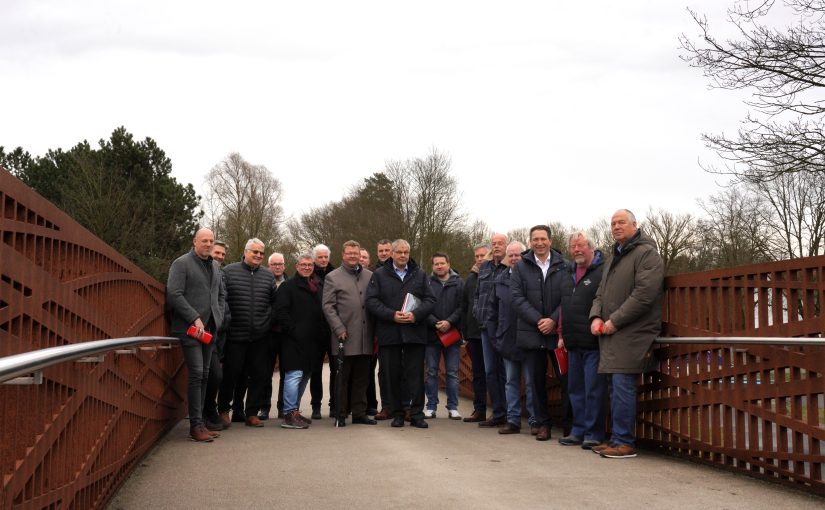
<point x="70" y="441"/>
<point x="755" y="409"/>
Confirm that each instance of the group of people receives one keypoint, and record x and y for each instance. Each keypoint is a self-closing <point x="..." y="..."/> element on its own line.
<point x="516" y="309"/>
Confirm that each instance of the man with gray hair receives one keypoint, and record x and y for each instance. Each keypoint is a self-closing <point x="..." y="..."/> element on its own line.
<point x="401" y="328"/>
<point x="322" y="267"/>
<point x="251" y="296"/>
<point x="586" y="387"/>
<point x="626" y="316"/>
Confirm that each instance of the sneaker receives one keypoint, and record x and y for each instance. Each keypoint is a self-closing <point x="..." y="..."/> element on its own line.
<point x="429" y="413"/>
<point x="599" y="447"/>
<point x="623" y="451"/>
<point x="293" y="420"/>
<point x="303" y="418"/>
<point x="454" y="415"/>
<point x="588" y="444"/>
<point x="570" y="441"/>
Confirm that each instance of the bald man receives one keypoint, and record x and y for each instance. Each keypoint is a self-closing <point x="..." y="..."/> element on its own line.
<point x="196" y="296"/>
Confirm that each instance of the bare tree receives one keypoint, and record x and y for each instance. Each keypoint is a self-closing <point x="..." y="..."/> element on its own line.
<point x="785" y="69"/>
<point x="733" y="233"/>
<point x="796" y="215"/>
<point x="243" y="201"/>
<point x="429" y="201"/>
<point x="675" y="234"/>
<point x="601" y="235"/>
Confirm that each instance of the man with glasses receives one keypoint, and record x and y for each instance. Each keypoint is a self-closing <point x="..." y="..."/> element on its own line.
<point x="251" y="294"/>
<point x="277" y="267"/>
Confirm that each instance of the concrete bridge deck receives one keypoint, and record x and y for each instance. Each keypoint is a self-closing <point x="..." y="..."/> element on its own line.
<point x="449" y="465"/>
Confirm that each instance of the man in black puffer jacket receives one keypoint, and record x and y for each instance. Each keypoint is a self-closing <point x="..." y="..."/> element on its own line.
<point x="536" y="287"/>
<point x="251" y="296"/>
<point x="402" y="335"/>
<point x="585" y="385"/>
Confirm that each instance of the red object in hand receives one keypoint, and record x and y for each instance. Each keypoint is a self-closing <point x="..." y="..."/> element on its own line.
<point x="203" y="338"/>
<point x="601" y="327"/>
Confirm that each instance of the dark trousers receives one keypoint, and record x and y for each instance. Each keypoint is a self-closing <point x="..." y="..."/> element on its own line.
<point x="535" y="361"/>
<point x="405" y="364"/>
<point x="355" y="372"/>
<point x="213" y="384"/>
<point x="383" y="383"/>
<point x="197" y="357"/>
<point x="250" y="358"/>
<point x="479" y="376"/>
<point x="316" y="382"/>
<point x="566" y="408"/>
<point x="266" y="394"/>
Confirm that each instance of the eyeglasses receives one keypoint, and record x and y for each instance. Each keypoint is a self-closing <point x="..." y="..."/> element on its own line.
<point x="306" y="265"/>
<point x="256" y="252"/>
<point x="277" y="264"/>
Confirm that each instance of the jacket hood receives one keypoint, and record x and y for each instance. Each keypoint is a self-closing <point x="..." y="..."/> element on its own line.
<point x="598" y="259"/>
<point x="638" y="239"/>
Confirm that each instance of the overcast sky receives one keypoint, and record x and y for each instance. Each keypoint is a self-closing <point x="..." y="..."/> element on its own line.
<point x="550" y="111"/>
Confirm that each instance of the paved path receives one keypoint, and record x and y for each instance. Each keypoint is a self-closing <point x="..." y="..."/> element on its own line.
<point x="450" y="465"/>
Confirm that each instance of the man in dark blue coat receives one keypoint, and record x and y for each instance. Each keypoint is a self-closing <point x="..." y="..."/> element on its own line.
<point x="402" y="331"/>
<point x="536" y="288"/>
<point x="447" y="287"/>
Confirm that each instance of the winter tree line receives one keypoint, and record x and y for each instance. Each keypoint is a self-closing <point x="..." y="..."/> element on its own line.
<point x="772" y="206"/>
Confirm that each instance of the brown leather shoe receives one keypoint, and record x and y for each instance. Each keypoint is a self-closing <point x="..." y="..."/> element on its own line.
<point x="254" y="421"/>
<point x="599" y="448"/>
<point x="407" y="416"/>
<point x="509" y="429"/>
<point x="226" y="421"/>
<point x="384" y="414"/>
<point x="534" y="429"/>
<point x="200" y="434"/>
<point x="493" y="422"/>
<point x="477" y="416"/>
<point x="544" y="433"/>
<point x="211" y="432"/>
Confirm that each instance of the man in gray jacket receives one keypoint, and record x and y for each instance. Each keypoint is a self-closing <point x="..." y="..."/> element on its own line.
<point x="344" y="305"/>
<point x="626" y="316"/>
<point x="195" y="294"/>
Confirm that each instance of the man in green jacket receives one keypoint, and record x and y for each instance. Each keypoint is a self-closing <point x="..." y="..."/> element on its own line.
<point x="627" y="316"/>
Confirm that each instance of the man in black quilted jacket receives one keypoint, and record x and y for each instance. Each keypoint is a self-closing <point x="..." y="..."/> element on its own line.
<point x="251" y="295"/>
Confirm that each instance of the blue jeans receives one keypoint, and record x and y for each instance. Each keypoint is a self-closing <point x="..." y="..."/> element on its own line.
<point x="515" y="371"/>
<point x="432" y="359"/>
<point x="623" y="408"/>
<point x="295" y="382"/>
<point x="587" y="389"/>
<point x="496" y="378"/>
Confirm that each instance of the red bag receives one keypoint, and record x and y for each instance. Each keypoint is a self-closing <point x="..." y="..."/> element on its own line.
<point x="561" y="357"/>
<point x="449" y="337"/>
<point x="204" y="338"/>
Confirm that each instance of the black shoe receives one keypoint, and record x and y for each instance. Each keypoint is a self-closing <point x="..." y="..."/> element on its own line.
<point x="510" y="429"/>
<point x="419" y="423"/>
<point x="316" y="414"/>
<point x="280" y="414"/>
<point x="263" y="415"/>
<point x="364" y="420"/>
<point x="341" y="422"/>
<point x="238" y="417"/>
<point x="372" y="412"/>
<point x="214" y="426"/>
<point x="397" y="422"/>
<point x="588" y="444"/>
<point x="570" y="441"/>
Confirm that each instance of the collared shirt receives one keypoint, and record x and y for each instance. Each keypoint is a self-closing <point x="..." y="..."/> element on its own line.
<point x="278" y="282"/>
<point x="402" y="273"/>
<point x="544" y="266"/>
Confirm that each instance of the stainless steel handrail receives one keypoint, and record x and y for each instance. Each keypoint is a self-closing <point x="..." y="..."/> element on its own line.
<point x="33" y="361"/>
<point x="752" y="340"/>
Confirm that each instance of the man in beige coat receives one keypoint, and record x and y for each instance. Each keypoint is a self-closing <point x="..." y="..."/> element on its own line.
<point x="344" y="304"/>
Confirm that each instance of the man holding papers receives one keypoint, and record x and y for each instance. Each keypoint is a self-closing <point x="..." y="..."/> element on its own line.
<point x="401" y="328"/>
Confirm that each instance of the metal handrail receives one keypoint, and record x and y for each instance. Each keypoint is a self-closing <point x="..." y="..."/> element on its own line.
<point x="33" y="361"/>
<point x="752" y="340"/>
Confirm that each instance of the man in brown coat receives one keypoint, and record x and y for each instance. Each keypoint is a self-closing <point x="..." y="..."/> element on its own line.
<point x="344" y="304"/>
<point x="626" y="315"/>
